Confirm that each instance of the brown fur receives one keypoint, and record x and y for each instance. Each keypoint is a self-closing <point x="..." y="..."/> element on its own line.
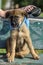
<point x="17" y="36"/>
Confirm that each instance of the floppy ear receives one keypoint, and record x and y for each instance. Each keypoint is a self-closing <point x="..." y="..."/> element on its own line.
<point x="24" y="13"/>
<point x="8" y="14"/>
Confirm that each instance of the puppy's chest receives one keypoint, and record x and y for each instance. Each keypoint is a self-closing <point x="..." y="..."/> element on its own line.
<point x="19" y="44"/>
<point x="20" y="41"/>
<point x="20" y="38"/>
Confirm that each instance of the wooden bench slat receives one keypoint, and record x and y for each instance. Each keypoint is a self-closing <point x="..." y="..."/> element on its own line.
<point x="36" y="30"/>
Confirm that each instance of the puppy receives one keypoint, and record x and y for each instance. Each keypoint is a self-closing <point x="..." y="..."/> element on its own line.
<point x="19" y="33"/>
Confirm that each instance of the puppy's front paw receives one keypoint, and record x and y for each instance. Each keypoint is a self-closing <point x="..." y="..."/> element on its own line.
<point x="11" y="59"/>
<point x="36" y="57"/>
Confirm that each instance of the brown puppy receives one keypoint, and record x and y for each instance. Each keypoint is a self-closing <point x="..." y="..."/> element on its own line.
<point x="14" y="44"/>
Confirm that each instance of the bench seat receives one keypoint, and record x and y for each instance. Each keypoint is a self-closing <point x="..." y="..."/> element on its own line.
<point x="18" y="61"/>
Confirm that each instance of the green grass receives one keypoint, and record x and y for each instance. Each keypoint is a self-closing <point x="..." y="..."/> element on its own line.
<point x="4" y="51"/>
<point x="3" y="3"/>
<point x="39" y="51"/>
<point x="41" y="15"/>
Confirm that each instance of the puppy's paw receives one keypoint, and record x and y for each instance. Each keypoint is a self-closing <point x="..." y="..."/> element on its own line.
<point x="36" y="57"/>
<point x="19" y="55"/>
<point x="11" y="59"/>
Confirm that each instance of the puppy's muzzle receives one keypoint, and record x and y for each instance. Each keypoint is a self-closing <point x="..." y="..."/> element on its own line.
<point x="14" y="21"/>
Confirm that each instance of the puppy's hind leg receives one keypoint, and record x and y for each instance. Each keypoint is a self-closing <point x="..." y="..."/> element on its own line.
<point x="23" y="52"/>
<point x="29" y="43"/>
<point x="26" y="36"/>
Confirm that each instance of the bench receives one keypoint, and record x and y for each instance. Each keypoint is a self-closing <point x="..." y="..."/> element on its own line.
<point x="36" y="32"/>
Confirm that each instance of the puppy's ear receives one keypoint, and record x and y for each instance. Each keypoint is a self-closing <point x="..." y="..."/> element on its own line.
<point x="24" y="13"/>
<point x="8" y="14"/>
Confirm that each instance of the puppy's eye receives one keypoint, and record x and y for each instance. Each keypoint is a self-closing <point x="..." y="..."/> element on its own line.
<point x="16" y="17"/>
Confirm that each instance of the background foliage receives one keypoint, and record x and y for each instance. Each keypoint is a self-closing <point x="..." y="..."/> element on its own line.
<point x="38" y="3"/>
<point x="22" y="3"/>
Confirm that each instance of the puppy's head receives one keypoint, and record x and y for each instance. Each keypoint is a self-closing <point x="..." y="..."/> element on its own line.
<point x="16" y="15"/>
<point x="19" y="15"/>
